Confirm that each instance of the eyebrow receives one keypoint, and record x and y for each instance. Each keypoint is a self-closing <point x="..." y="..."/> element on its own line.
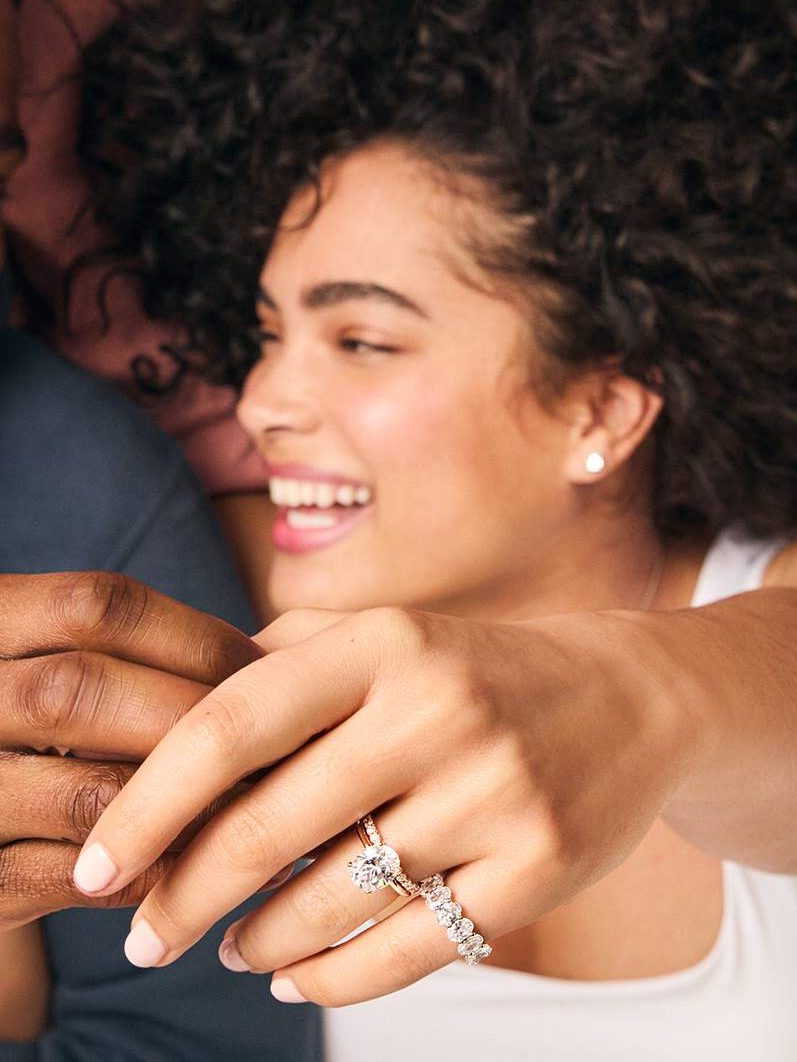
<point x="338" y="291"/>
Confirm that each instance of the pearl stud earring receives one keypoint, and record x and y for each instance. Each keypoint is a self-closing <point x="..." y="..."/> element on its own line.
<point x="595" y="462"/>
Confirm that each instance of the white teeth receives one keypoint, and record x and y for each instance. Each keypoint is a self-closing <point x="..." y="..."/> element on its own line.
<point x="324" y="495"/>
<point x="292" y="493"/>
<point x="301" y="520"/>
<point x="345" y="495"/>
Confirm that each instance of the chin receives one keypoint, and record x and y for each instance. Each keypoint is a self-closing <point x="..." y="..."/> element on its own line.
<point x="286" y="593"/>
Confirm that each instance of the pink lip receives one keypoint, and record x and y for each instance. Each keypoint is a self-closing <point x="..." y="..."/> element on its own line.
<point x="294" y="540"/>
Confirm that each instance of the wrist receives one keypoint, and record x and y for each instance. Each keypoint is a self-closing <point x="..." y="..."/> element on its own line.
<point x="630" y="660"/>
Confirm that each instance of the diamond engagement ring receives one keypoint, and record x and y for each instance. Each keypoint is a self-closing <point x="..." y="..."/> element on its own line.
<point x="461" y="931"/>
<point x="378" y="865"/>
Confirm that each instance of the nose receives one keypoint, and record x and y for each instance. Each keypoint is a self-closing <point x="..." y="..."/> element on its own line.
<point x="278" y="398"/>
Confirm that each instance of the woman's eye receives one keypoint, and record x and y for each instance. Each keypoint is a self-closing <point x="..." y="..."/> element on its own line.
<point x="362" y="346"/>
<point x="267" y="336"/>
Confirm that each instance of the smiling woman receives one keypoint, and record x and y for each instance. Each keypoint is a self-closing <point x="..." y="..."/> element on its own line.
<point x="526" y="378"/>
<point x="384" y="366"/>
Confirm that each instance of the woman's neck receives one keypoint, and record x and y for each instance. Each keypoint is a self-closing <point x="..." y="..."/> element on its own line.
<point x="614" y="564"/>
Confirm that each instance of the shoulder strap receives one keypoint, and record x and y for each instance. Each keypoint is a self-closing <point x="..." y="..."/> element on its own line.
<point x="734" y="564"/>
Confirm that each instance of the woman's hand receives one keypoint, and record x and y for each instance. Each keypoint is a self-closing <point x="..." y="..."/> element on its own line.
<point x="512" y="758"/>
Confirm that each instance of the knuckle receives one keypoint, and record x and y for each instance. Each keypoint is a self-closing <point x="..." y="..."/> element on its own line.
<point x="477" y="714"/>
<point x="98" y="603"/>
<point x="213" y="649"/>
<point x="36" y="879"/>
<point x="400" y="632"/>
<point x="9" y="758"/>
<point x="85" y="803"/>
<point x="290" y="623"/>
<point x="546" y="844"/>
<point x="315" y="903"/>
<point x="53" y="692"/>
<point x="448" y="697"/>
<point x="406" y="962"/>
<point x="400" y="623"/>
<point x="246" y="843"/>
<point x="219" y="724"/>
<point x="9" y="871"/>
<point x="30" y="881"/>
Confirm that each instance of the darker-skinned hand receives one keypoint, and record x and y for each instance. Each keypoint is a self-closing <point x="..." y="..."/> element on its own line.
<point x="88" y="661"/>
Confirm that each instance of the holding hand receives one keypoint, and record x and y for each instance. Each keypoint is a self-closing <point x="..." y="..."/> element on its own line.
<point x="88" y="661"/>
<point x="511" y="758"/>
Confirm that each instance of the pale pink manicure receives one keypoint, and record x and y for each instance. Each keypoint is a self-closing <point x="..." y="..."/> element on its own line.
<point x="94" y="870"/>
<point x="283" y="989"/>
<point x="230" y="957"/>
<point x="143" y="946"/>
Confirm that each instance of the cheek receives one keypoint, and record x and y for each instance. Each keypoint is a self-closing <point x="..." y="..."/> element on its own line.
<point x="429" y="447"/>
<point x="398" y="426"/>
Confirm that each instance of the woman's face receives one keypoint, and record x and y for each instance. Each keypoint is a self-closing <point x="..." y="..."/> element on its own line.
<point x="408" y="457"/>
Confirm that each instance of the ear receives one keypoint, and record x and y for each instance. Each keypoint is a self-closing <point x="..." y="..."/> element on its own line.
<point x="611" y="415"/>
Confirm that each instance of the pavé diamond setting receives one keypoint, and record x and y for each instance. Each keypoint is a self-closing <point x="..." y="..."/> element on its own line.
<point x="378" y="866"/>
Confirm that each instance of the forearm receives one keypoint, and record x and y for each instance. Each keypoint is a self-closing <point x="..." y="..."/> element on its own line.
<point x="24" y="983"/>
<point x="730" y="671"/>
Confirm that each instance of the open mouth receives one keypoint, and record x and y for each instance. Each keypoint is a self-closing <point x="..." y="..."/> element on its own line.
<point x="312" y="514"/>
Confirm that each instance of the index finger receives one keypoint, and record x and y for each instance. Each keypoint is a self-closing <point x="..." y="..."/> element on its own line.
<point x="254" y="719"/>
<point x="110" y="613"/>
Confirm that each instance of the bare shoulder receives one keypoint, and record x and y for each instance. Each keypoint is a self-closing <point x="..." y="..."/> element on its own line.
<point x="782" y="570"/>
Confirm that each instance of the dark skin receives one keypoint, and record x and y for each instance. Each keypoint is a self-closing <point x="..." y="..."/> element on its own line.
<point x="87" y="661"/>
<point x="93" y="783"/>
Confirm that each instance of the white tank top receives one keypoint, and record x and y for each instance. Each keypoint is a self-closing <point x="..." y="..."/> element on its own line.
<point x="738" y="1004"/>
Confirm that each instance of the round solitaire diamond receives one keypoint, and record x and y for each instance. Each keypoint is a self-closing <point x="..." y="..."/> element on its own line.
<point x="460" y="930"/>
<point x="374" y="867"/>
<point x="448" y="913"/>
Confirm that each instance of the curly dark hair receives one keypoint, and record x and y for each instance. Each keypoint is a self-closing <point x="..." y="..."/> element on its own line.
<point x="644" y="151"/>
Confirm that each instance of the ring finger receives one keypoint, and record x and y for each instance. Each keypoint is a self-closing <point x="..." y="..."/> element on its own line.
<point x="398" y="951"/>
<point x="322" y="905"/>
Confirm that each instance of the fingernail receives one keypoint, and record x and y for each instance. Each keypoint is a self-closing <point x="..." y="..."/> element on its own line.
<point x="143" y="946"/>
<point x="280" y="878"/>
<point x="94" y="870"/>
<point x="283" y="989"/>
<point x="230" y="957"/>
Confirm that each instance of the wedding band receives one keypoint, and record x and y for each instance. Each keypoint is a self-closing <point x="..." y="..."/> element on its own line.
<point x="461" y="931"/>
<point x="378" y="865"/>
